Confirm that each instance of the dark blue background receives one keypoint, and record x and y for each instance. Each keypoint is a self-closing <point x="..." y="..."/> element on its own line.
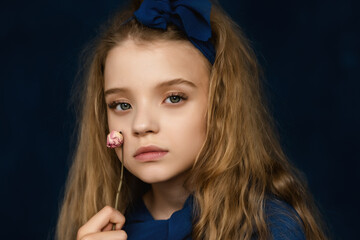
<point x="310" y="54"/>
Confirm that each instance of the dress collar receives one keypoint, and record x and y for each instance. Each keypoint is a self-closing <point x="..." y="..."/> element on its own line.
<point x="140" y="224"/>
<point x="139" y="212"/>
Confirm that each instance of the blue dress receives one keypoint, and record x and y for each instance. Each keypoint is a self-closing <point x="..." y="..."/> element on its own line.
<point x="140" y="225"/>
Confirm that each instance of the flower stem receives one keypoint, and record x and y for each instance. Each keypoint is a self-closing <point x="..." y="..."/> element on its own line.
<point x="120" y="183"/>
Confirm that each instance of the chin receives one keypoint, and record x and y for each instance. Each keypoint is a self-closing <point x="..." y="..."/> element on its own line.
<point x="152" y="178"/>
<point x="157" y="173"/>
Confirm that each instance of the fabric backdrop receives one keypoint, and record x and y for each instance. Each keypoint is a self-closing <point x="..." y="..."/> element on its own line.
<point x="310" y="54"/>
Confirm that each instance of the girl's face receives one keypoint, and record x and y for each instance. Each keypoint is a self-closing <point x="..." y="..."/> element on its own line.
<point x="157" y="94"/>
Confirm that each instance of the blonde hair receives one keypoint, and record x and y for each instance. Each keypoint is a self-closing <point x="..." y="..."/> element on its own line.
<point x="239" y="165"/>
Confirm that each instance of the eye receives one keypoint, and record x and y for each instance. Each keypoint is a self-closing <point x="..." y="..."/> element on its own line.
<point x="176" y="97"/>
<point x="119" y="106"/>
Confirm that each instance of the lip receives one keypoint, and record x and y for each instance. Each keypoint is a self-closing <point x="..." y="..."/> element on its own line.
<point x="149" y="153"/>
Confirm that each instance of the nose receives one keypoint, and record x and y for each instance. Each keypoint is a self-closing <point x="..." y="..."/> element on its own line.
<point x="145" y="120"/>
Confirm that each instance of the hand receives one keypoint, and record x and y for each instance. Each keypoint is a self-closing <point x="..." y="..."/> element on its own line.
<point x="99" y="226"/>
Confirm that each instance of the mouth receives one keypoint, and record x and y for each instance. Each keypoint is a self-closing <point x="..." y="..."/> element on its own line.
<point x="150" y="156"/>
<point x="149" y="153"/>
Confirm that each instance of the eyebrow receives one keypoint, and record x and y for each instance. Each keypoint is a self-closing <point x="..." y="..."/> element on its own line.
<point x="172" y="82"/>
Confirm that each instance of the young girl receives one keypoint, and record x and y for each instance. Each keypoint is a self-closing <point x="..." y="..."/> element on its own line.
<point x="202" y="160"/>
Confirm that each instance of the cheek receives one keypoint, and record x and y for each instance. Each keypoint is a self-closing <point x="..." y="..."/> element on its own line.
<point x="110" y="121"/>
<point x="118" y="153"/>
<point x="118" y="123"/>
<point x="114" y="120"/>
<point x="188" y="131"/>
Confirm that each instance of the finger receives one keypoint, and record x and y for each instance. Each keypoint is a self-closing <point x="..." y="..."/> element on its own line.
<point x="108" y="227"/>
<point x="113" y="235"/>
<point x="102" y="218"/>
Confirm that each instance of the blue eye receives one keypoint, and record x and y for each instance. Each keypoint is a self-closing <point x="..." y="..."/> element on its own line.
<point x="176" y="97"/>
<point x="119" y="106"/>
<point x="173" y="98"/>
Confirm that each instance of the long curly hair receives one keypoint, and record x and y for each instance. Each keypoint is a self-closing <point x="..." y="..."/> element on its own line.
<point x="239" y="165"/>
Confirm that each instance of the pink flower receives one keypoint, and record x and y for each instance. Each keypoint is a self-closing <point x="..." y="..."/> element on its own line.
<point x="114" y="139"/>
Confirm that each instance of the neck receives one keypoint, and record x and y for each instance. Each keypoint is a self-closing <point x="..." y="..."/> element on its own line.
<point x="165" y="198"/>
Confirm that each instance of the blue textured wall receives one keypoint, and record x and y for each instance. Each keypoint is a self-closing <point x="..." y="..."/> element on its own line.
<point x="311" y="57"/>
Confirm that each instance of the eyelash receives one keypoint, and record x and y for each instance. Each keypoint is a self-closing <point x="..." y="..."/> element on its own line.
<point x="182" y="97"/>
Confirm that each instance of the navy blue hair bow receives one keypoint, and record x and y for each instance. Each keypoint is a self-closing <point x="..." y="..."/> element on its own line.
<point x="190" y="16"/>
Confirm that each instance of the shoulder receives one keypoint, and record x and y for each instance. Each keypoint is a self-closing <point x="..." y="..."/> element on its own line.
<point x="283" y="221"/>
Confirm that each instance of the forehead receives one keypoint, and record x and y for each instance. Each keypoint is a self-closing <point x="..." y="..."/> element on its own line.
<point x="141" y="64"/>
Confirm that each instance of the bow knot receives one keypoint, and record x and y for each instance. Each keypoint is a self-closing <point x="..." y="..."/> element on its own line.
<point x="190" y="16"/>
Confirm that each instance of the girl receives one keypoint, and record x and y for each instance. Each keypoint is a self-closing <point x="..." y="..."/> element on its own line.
<point x="201" y="158"/>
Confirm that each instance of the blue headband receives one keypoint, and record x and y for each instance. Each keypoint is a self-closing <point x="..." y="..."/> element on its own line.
<point x="190" y="16"/>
